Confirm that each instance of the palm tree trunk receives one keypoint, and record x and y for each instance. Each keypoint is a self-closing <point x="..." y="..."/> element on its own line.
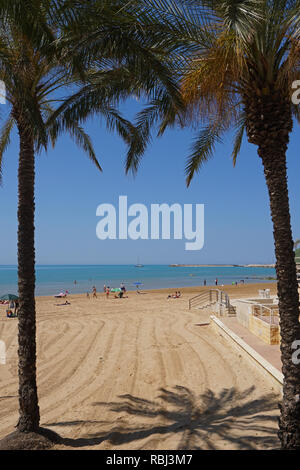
<point x="275" y="172"/>
<point x="269" y="124"/>
<point x="28" y="399"/>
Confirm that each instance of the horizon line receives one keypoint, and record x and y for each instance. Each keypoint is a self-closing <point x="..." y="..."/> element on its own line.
<point x="146" y="264"/>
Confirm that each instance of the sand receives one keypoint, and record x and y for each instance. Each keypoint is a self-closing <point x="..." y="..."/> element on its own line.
<point x="140" y="373"/>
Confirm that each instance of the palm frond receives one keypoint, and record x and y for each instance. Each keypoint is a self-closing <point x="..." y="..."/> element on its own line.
<point x="238" y="138"/>
<point x="160" y="113"/>
<point x="135" y="140"/>
<point x="83" y="140"/>
<point x="202" y="149"/>
<point x="5" y="134"/>
<point x="57" y="127"/>
<point x="296" y="112"/>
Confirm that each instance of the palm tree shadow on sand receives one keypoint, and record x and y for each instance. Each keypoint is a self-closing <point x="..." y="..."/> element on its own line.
<point x="229" y="419"/>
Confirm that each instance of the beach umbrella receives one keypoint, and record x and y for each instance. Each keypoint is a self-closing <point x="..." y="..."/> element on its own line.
<point x="9" y="297"/>
<point x="115" y="289"/>
<point x="137" y="285"/>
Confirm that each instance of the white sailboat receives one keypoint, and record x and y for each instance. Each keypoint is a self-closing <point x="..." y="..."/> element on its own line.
<point x="139" y="265"/>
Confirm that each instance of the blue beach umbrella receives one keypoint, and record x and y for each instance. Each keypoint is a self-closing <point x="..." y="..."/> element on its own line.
<point x="137" y="285"/>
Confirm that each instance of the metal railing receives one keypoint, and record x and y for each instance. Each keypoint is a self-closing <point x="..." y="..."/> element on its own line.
<point x="262" y="311"/>
<point x="210" y="297"/>
<point x="204" y="298"/>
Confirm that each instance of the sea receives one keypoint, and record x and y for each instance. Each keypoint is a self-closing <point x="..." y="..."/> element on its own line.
<point x="78" y="279"/>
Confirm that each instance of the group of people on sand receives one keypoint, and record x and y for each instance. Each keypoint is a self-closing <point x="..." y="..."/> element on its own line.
<point x="107" y="291"/>
<point x="205" y="282"/>
<point x="94" y="293"/>
<point x="174" y="296"/>
<point x="121" y="294"/>
<point x="234" y="283"/>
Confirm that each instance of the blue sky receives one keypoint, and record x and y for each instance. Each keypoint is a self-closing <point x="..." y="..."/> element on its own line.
<point x="69" y="188"/>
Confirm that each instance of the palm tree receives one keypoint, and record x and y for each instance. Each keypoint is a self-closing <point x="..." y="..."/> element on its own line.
<point x="39" y="63"/>
<point x="241" y="58"/>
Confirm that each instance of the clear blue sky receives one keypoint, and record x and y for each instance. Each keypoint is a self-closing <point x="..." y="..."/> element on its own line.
<point x="69" y="188"/>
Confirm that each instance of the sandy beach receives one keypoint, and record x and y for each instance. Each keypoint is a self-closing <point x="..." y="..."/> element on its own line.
<point x="142" y="372"/>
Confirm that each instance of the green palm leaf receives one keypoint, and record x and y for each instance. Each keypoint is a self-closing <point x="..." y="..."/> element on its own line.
<point x="5" y="134"/>
<point x="202" y="149"/>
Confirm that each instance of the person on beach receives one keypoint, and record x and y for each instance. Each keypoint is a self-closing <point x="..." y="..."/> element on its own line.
<point x="216" y="281"/>
<point x="204" y="282"/>
<point x="16" y="308"/>
<point x="104" y="288"/>
<point x="107" y="292"/>
<point x="174" y="296"/>
<point x="88" y="295"/>
<point x="121" y="295"/>
<point x="94" y="292"/>
<point x="122" y="286"/>
<point x="9" y="310"/>
<point x="10" y="314"/>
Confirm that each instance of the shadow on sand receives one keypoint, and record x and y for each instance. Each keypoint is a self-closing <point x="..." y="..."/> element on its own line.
<point x="229" y="419"/>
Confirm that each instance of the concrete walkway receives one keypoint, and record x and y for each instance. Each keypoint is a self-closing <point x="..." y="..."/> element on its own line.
<point x="269" y="352"/>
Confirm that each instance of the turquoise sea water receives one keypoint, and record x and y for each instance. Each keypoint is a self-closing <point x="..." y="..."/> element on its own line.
<point x="51" y="280"/>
